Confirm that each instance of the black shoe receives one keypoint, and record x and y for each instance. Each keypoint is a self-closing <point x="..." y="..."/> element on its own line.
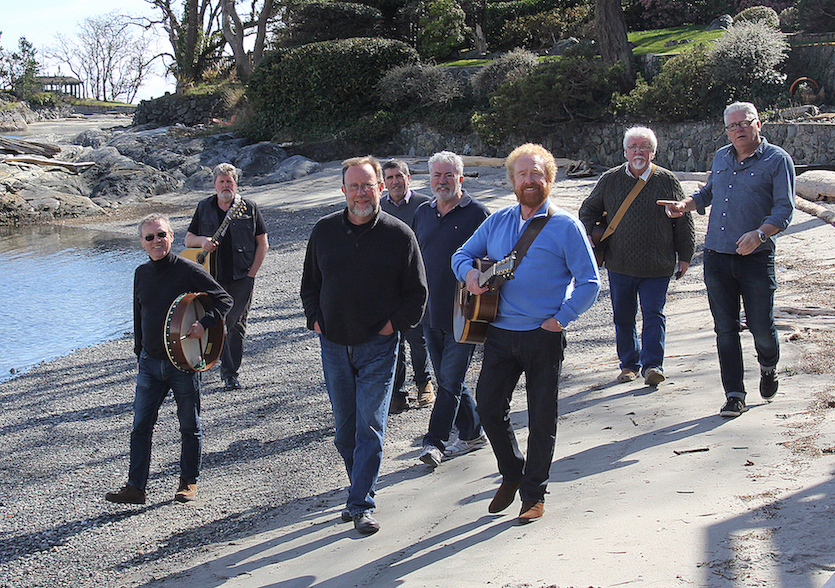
<point x="345" y="515"/>
<point x="398" y="405"/>
<point x="231" y="383"/>
<point x="768" y="384"/>
<point x="365" y="524"/>
<point x="127" y="495"/>
<point x="733" y="407"/>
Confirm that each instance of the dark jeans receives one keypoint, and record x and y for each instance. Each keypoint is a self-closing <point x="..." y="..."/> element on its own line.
<point x="156" y="377"/>
<point x="750" y="278"/>
<point x="539" y="354"/>
<point x="359" y="380"/>
<point x="420" y="362"/>
<point x="233" y="346"/>
<point x="454" y="402"/>
<point x="625" y="292"/>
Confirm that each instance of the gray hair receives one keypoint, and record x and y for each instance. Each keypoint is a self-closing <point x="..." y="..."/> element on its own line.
<point x="740" y="106"/>
<point x="225" y="169"/>
<point x="448" y="157"/>
<point x="396" y="164"/>
<point x="644" y="133"/>
<point x="155" y="217"/>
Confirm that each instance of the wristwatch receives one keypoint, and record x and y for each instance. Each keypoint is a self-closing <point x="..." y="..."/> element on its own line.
<point x="763" y="236"/>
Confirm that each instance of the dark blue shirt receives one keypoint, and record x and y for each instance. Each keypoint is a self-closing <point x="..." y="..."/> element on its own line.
<point x="439" y="237"/>
<point x="743" y="196"/>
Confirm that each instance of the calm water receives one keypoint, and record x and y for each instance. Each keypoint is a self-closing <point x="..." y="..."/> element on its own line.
<point x="62" y="288"/>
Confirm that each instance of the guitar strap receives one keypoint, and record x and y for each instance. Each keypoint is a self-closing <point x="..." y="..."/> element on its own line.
<point x="630" y="198"/>
<point x="530" y="233"/>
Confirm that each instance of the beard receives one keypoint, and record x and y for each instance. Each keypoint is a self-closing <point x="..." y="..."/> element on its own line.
<point x="362" y="210"/>
<point x="531" y="199"/>
<point x="446" y="193"/>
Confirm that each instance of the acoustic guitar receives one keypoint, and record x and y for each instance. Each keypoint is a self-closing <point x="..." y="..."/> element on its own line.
<point x="205" y="258"/>
<point x="472" y="313"/>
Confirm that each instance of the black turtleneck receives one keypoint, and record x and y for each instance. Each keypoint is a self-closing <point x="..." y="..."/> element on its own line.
<point x="155" y="286"/>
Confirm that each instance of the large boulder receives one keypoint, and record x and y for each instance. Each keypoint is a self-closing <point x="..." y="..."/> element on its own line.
<point x="723" y="21"/>
<point x="292" y="168"/>
<point x="259" y="159"/>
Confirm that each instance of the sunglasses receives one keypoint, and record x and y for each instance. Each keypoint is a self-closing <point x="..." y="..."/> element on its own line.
<point x="151" y="237"/>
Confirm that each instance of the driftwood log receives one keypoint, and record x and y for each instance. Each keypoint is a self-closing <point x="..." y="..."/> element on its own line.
<point x="73" y="166"/>
<point x="22" y="147"/>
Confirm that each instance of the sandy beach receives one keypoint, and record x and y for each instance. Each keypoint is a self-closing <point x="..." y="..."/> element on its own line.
<point x="649" y="488"/>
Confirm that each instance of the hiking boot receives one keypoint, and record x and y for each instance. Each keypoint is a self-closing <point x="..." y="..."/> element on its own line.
<point x="425" y="394"/>
<point x="460" y="446"/>
<point x="185" y="492"/>
<point x="627" y="375"/>
<point x="653" y="376"/>
<point x="431" y="456"/>
<point x="733" y="407"/>
<point x="127" y="495"/>
<point x="398" y="405"/>
<point x="768" y="384"/>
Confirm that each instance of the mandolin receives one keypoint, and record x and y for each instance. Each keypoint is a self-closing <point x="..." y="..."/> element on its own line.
<point x="205" y="258"/>
<point x="472" y="313"/>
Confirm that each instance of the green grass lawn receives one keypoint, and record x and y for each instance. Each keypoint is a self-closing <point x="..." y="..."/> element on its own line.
<point x="655" y="41"/>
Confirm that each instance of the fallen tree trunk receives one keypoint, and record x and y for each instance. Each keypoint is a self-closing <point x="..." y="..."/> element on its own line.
<point x="73" y="166"/>
<point x="28" y="147"/>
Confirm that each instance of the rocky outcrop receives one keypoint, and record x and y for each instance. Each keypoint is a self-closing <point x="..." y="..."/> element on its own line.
<point x="132" y="165"/>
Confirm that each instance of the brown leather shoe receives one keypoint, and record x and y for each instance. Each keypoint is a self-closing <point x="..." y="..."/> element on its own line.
<point x="426" y="394"/>
<point x="504" y="497"/>
<point x="127" y="495"/>
<point x="186" y="492"/>
<point x="398" y="405"/>
<point x="531" y="511"/>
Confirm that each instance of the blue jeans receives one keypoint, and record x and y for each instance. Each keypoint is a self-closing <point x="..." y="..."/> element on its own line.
<point x="156" y="377"/>
<point x="750" y="278"/>
<point x="625" y="292"/>
<point x="233" y="345"/>
<point x="538" y="353"/>
<point x="420" y="361"/>
<point x="454" y="402"/>
<point x="359" y="380"/>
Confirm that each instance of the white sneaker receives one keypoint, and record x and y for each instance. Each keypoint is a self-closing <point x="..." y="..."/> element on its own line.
<point x="460" y="447"/>
<point x="431" y="456"/>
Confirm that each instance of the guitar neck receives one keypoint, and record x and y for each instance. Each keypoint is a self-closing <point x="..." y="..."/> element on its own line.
<point x="226" y="220"/>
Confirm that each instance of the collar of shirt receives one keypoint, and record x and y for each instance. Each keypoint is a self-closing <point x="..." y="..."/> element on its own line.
<point x="403" y="202"/>
<point x="758" y="153"/>
<point x="644" y="176"/>
<point x="541" y="212"/>
<point x="465" y="200"/>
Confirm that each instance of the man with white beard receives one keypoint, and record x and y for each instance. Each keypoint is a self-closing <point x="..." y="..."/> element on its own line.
<point x="442" y="225"/>
<point x="645" y="250"/>
<point x="363" y="285"/>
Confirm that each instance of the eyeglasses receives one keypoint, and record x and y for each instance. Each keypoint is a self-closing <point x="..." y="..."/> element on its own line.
<point x="644" y="147"/>
<point x="354" y="188"/>
<point x="743" y="124"/>
<point x="151" y="237"/>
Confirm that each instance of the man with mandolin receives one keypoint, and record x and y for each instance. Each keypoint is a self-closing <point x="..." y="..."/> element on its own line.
<point x="555" y="279"/>
<point x="157" y="284"/>
<point x="229" y="232"/>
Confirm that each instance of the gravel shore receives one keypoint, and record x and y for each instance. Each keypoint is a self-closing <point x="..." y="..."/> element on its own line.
<point x="267" y="451"/>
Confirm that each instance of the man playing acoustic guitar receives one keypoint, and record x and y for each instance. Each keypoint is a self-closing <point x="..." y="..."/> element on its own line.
<point x="239" y="255"/>
<point x="554" y="282"/>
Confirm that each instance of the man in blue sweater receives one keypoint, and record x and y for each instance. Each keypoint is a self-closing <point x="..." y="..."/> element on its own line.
<point x="751" y="197"/>
<point x="554" y="283"/>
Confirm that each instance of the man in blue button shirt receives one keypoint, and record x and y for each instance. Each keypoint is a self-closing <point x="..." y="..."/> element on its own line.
<point x="751" y="194"/>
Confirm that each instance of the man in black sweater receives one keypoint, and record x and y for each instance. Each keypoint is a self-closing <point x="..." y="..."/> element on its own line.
<point x="157" y="283"/>
<point x="363" y="285"/>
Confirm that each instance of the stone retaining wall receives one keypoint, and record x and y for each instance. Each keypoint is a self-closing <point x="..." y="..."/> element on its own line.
<point x="187" y="110"/>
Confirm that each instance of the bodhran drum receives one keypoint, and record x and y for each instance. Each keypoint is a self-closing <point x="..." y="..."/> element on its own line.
<point x="191" y="355"/>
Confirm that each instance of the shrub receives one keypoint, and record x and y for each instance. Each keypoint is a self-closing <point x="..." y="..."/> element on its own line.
<point x="317" y="89"/>
<point x="744" y="63"/>
<point x="681" y="91"/>
<point x="418" y="84"/>
<point x="789" y="20"/>
<point x="762" y="14"/>
<point x="498" y="13"/>
<point x="506" y="68"/>
<point x="310" y="22"/>
<point x="441" y="29"/>
<point x="816" y="16"/>
<point x="562" y="89"/>
<point x="546" y="28"/>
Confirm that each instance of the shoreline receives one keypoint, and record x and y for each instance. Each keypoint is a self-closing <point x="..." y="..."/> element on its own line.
<point x="622" y="507"/>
